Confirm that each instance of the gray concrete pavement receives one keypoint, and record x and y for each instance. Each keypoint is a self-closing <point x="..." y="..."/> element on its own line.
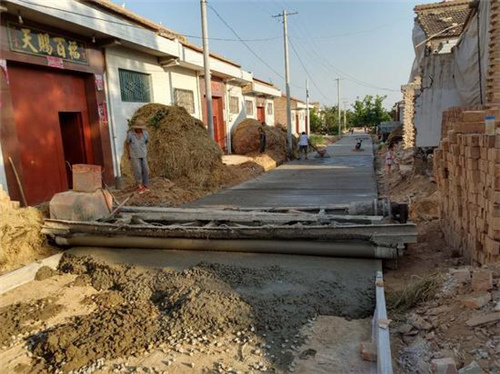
<point x="344" y="177"/>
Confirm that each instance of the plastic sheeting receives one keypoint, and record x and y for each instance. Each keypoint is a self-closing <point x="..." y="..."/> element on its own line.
<point x="452" y="79"/>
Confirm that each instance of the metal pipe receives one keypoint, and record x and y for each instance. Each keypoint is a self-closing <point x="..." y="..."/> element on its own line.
<point x="354" y="249"/>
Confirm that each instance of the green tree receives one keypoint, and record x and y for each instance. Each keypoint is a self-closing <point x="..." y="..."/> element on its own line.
<point x="317" y="124"/>
<point x="369" y="111"/>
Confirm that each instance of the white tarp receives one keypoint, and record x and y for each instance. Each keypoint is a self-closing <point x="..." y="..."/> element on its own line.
<point x="453" y="79"/>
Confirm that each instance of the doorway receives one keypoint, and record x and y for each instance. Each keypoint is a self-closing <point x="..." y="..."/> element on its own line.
<point x="219" y="126"/>
<point x="73" y="142"/>
<point x="297" y="124"/>
<point x="261" y="114"/>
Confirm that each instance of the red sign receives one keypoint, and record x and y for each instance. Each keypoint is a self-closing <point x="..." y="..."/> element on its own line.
<point x="103" y="113"/>
<point x="55" y="62"/>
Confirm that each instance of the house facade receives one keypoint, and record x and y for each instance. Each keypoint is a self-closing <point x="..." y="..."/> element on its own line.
<point x="299" y="114"/>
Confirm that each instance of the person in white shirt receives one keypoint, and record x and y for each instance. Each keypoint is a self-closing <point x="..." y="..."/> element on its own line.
<point x="303" y="144"/>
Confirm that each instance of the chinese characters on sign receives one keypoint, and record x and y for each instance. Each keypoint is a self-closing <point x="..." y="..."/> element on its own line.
<point x="28" y="40"/>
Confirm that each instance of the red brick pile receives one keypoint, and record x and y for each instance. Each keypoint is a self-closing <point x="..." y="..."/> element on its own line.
<point x="467" y="170"/>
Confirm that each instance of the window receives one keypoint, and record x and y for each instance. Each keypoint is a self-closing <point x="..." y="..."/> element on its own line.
<point x="185" y="99"/>
<point x="135" y="87"/>
<point x="249" y="107"/>
<point x="234" y="105"/>
<point x="270" y="109"/>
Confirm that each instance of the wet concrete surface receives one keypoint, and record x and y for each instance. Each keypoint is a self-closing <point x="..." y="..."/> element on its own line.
<point x="344" y="177"/>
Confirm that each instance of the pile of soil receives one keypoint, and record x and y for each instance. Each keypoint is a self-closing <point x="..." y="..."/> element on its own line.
<point x="179" y="147"/>
<point x="246" y="138"/>
<point x="138" y="311"/>
<point x="20" y="237"/>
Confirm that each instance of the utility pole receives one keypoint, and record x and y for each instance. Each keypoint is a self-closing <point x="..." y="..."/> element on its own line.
<point x="308" y="122"/>
<point x="285" y="15"/>
<point x="345" y="114"/>
<point x="338" y="107"/>
<point x="206" y="64"/>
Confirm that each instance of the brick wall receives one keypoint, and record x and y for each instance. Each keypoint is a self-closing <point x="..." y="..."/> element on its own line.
<point x="409" y="94"/>
<point x="467" y="171"/>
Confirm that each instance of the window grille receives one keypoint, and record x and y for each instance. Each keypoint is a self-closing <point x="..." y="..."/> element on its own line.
<point x="135" y="87"/>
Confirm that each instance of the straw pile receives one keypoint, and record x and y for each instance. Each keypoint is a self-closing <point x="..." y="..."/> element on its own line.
<point x="246" y="138"/>
<point x="179" y="147"/>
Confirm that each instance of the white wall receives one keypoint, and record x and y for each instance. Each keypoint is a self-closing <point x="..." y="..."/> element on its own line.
<point x="254" y="101"/>
<point x="185" y="79"/>
<point x="269" y="117"/>
<point x="121" y="58"/>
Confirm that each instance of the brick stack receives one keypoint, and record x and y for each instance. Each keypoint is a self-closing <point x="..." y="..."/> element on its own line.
<point x="493" y="78"/>
<point x="467" y="170"/>
<point x="409" y="91"/>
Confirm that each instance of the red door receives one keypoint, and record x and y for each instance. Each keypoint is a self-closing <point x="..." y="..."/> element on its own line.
<point x="51" y="117"/>
<point x="261" y="114"/>
<point x="219" y="126"/>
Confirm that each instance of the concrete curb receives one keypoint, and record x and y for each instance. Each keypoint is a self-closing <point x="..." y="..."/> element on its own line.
<point x="27" y="273"/>
<point x="380" y="329"/>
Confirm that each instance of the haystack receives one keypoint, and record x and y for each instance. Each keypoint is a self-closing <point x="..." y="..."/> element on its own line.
<point x="179" y="147"/>
<point x="246" y="138"/>
<point x="21" y="240"/>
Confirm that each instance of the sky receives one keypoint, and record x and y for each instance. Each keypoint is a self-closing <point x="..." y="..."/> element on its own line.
<point x="367" y="44"/>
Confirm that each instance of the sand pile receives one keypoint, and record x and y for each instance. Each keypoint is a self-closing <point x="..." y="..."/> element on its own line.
<point x="246" y="138"/>
<point x="179" y="148"/>
<point x="20" y="238"/>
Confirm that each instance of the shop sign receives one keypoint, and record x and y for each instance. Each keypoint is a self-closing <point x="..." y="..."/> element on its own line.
<point x="29" y="40"/>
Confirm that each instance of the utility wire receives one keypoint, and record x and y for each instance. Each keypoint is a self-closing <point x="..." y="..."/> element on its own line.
<point x="246" y="45"/>
<point x="307" y="72"/>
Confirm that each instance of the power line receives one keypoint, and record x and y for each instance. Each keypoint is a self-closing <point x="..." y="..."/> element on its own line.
<point x="306" y="71"/>
<point x="246" y="45"/>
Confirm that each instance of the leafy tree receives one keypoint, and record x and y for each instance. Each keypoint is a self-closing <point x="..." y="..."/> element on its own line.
<point x="317" y="124"/>
<point x="370" y="111"/>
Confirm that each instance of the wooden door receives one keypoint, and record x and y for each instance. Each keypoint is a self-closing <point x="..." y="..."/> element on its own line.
<point x="261" y="114"/>
<point x="219" y="126"/>
<point x="38" y="96"/>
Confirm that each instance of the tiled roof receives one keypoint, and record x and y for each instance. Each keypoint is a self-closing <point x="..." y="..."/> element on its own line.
<point x="437" y="17"/>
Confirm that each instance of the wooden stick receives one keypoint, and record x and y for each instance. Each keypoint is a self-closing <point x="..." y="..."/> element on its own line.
<point x="21" y="190"/>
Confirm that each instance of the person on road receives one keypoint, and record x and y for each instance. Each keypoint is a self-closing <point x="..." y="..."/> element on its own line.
<point x="389" y="159"/>
<point x="136" y="146"/>
<point x="303" y="144"/>
<point x="262" y="139"/>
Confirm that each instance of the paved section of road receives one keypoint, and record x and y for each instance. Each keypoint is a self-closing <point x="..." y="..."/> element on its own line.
<point x="344" y="177"/>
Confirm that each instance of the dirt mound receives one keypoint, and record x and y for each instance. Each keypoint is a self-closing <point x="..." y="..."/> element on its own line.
<point x="15" y="318"/>
<point x="425" y="209"/>
<point x="395" y="136"/>
<point x="138" y="311"/>
<point x="45" y="272"/>
<point x="179" y="146"/>
<point x="246" y="138"/>
<point x="20" y="237"/>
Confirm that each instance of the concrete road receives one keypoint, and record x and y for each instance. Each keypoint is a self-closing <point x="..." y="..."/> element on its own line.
<point x="346" y="176"/>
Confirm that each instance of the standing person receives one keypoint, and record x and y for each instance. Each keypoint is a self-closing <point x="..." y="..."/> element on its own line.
<point x="262" y="139"/>
<point x="136" y="146"/>
<point x="389" y="159"/>
<point x="303" y="144"/>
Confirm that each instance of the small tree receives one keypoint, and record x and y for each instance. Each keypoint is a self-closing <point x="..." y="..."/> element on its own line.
<point x="370" y="111"/>
<point x="317" y="123"/>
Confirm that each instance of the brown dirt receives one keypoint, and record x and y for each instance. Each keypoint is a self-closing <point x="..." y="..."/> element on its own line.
<point x="209" y="314"/>
<point x="45" y="272"/>
<point x="20" y="238"/>
<point x="18" y="320"/>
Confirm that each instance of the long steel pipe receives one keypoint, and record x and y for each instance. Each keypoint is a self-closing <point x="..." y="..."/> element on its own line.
<point x="354" y="249"/>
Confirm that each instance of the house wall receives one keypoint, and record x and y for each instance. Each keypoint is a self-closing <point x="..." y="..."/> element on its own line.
<point x="280" y="112"/>
<point x="270" y="118"/>
<point x="253" y="99"/>
<point x="122" y="58"/>
<point x="185" y="79"/>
